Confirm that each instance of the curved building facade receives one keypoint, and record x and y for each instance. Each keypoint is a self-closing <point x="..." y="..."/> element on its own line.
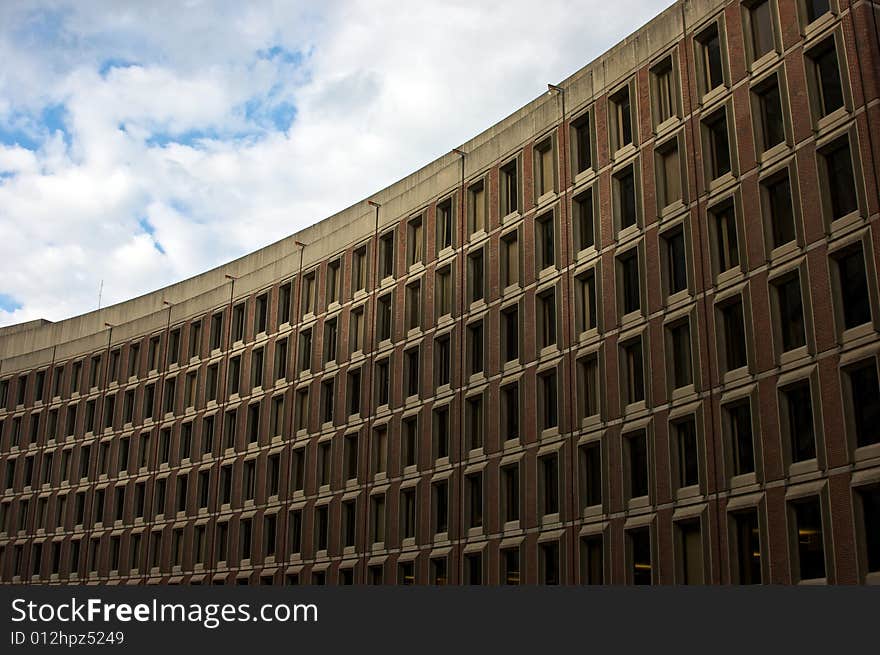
<point x="627" y="335"/>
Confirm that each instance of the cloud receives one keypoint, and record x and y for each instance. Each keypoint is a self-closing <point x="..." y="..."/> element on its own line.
<point x="144" y="143"/>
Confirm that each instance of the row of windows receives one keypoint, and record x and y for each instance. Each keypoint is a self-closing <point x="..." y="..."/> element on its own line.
<point x="802" y="438"/>
<point x="250" y="539"/>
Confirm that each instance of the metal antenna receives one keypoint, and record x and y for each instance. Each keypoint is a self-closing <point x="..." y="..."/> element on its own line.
<point x="100" y="292"/>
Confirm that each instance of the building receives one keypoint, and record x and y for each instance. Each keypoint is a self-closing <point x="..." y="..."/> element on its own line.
<point x="627" y="335"/>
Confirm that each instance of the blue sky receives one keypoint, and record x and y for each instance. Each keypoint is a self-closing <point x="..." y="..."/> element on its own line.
<point x="143" y="143"/>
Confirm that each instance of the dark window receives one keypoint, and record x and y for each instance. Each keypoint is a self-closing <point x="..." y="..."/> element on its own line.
<point x="637" y="461"/>
<point x="582" y="143"/>
<point x="676" y="261"/>
<point x="688" y="457"/>
<point x="713" y="71"/>
<point x="779" y="207"/>
<point x="770" y="105"/>
<point x="630" y="281"/>
<point x="747" y="540"/>
<point x="625" y="197"/>
<point x="865" y="395"/>
<point x="853" y="287"/>
<point x="791" y="312"/>
<point x="634" y="375"/>
<point x="640" y="555"/>
<point x="591" y="474"/>
<point x="826" y="80"/>
<point x="584" y="215"/>
<point x="592" y="556"/>
<point x="799" y="410"/>
<point x="870" y="501"/>
<point x="810" y="543"/>
<point x="726" y="241"/>
<point x="718" y="144"/>
<point x="761" y="23"/>
<point x="734" y="334"/>
<point x="680" y="338"/>
<point x="838" y="169"/>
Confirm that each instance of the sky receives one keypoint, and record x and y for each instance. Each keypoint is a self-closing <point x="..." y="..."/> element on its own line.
<point x="142" y="143"/>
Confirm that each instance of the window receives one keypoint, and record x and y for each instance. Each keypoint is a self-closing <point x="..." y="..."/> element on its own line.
<point x="796" y="407"/>
<point x="545" y="242"/>
<point x="548" y="472"/>
<point x="237" y="325"/>
<point x="510" y="493"/>
<point x="411" y="372"/>
<point x="350" y="456"/>
<point x="385" y="318"/>
<point x="473" y="568"/>
<point x="548" y="399"/>
<point x="635" y="448"/>
<point x="585" y="219"/>
<point x="415" y="242"/>
<point x="639" y="556"/>
<point x="664" y="91"/>
<point x="410" y="440"/>
<point x="629" y="281"/>
<point x="440" y="506"/>
<point x="869" y="500"/>
<point x="510" y="334"/>
<point x="383" y="381"/>
<point x="377" y="518"/>
<point x="709" y="59"/>
<point x="281" y="359"/>
<point x="261" y="311"/>
<point x="134" y="352"/>
<point x="852" y="286"/>
<point x="359" y="269"/>
<point x="330" y="333"/>
<point x="294" y="524"/>
<point x="737" y="418"/>
<point x="836" y="171"/>
<point x="826" y="88"/>
<point x="620" y="119"/>
<point x="475" y="347"/>
<point x="476" y="282"/>
<point x="441" y="432"/>
<point x="759" y="15"/>
<point x="625" y="204"/>
<point x="510" y="574"/>
<point x="675" y="260"/>
<point x="632" y="371"/>
<point x="413" y="306"/>
<point x="325" y="462"/>
<point x="548" y="555"/>
<point x="305" y="350"/>
<point x="814" y="9"/>
<point x="444" y="224"/>
<point x="588" y="386"/>
<point x="722" y="222"/>
<point x="592" y="566"/>
<point x="284" y="296"/>
<point x="680" y="363"/>
<point x="356" y="329"/>
<point x="733" y="334"/>
<point x="386" y="255"/>
<point x="716" y="145"/>
<point x="349" y="523"/>
<point x="777" y="201"/>
<point x="668" y="167"/>
<point x="746" y="539"/>
<point x="474" y="490"/>
<point x="590" y="459"/>
<point x="546" y="314"/>
<point x="509" y="194"/>
<point x="408" y="513"/>
<point x="380" y="450"/>
<point x="354" y="391"/>
<point x="864" y="401"/>
<point x="334" y="278"/>
<point x="298" y="469"/>
<point x="510" y="259"/>
<point x="216" y="336"/>
<point x="474" y="421"/>
<point x="545" y="168"/>
<point x="257" y="368"/>
<point x="582" y="142"/>
<point x="789" y="311"/>
<point x="442" y="360"/>
<point x="328" y="391"/>
<point x="301" y="409"/>
<point x="686" y="451"/>
<point x="809" y="553"/>
<point x="585" y="302"/>
<point x="510" y="411"/>
<point x="767" y="109"/>
<point x="443" y="292"/>
<point x="690" y="552"/>
<point x="476" y="207"/>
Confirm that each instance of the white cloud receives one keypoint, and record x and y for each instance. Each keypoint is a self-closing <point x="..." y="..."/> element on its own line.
<point x="378" y="92"/>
